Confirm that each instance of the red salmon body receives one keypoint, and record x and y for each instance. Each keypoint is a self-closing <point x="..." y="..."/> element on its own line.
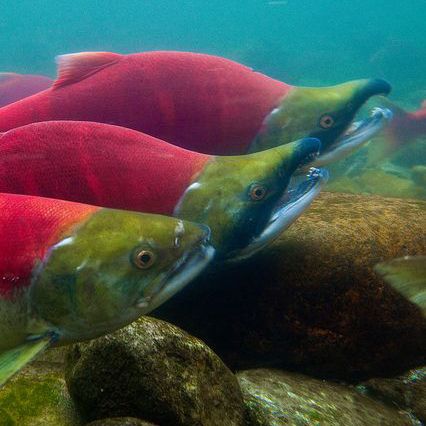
<point x="201" y="102"/>
<point x="14" y="87"/>
<point x="28" y="228"/>
<point x="101" y="160"/>
<point x="406" y="126"/>
<point x="415" y="122"/>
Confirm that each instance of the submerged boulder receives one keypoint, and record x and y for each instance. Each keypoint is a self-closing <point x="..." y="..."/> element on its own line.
<point x="407" y="391"/>
<point x="386" y="183"/>
<point x="37" y="396"/>
<point x="311" y="301"/>
<point x="120" y="421"/>
<point x="275" y="398"/>
<point x="154" y="371"/>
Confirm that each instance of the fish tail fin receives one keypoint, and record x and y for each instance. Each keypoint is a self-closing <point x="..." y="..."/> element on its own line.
<point x="407" y="275"/>
<point x="14" y="359"/>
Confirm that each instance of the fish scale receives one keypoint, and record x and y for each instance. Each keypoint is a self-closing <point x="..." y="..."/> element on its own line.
<point x="129" y="90"/>
<point x="99" y="170"/>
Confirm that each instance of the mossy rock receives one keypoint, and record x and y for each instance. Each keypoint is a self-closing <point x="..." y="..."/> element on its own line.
<point x="53" y="356"/>
<point x="120" y="421"/>
<point x="379" y="182"/>
<point x="154" y="371"/>
<point x="407" y="391"/>
<point x="419" y="176"/>
<point x="311" y="301"/>
<point x="37" y="396"/>
<point x="277" y="398"/>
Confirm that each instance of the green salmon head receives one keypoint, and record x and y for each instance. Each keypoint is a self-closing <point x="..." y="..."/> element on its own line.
<point x="326" y="113"/>
<point x="113" y="268"/>
<point x="244" y="199"/>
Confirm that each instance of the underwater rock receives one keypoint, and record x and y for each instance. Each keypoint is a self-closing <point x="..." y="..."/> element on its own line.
<point x="155" y="371"/>
<point x="312" y="301"/>
<point x="275" y="398"/>
<point x="407" y="391"/>
<point x="55" y="356"/>
<point x="419" y="176"/>
<point x="380" y="182"/>
<point x="37" y="396"/>
<point x="120" y="421"/>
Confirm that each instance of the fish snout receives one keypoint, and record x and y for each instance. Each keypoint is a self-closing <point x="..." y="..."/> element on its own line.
<point x="374" y="87"/>
<point x="307" y="151"/>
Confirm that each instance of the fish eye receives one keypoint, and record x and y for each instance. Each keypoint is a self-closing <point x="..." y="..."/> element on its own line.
<point x="326" y="121"/>
<point x="144" y="259"/>
<point x="257" y="192"/>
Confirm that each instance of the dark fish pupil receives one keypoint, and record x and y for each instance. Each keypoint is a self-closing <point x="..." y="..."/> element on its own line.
<point x="145" y="258"/>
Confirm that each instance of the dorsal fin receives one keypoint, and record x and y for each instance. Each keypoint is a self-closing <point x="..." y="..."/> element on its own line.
<point x="75" y="67"/>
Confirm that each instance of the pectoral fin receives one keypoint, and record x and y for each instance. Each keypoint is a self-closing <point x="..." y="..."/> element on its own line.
<point x="407" y="275"/>
<point x="13" y="360"/>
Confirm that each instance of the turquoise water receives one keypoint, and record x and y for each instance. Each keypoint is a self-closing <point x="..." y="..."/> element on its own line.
<point x="300" y="42"/>
<point x="314" y="43"/>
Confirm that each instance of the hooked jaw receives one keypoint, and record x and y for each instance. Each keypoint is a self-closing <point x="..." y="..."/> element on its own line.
<point x="359" y="133"/>
<point x="325" y="113"/>
<point x="296" y="195"/>
<point x="350" y="135"/>
<point x="301" y="192"/>
<point x="184" y="271"/>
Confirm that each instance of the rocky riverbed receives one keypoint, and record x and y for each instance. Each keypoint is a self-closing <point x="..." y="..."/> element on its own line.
<point x="303" y="334"/>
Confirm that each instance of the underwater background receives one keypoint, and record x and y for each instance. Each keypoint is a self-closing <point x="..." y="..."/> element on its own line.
<point x="306" y="333"/>
<point x="311" y="42"/>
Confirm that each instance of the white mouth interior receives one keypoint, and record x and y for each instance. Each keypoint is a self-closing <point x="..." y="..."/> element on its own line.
<point x="359" y="133"/>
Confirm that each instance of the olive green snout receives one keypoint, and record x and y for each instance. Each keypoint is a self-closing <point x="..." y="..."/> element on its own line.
<point x="236" y="195"/>
<point x="373" y="87"/>
<point x="320" y="112"/>
<point x="112" y="267"/>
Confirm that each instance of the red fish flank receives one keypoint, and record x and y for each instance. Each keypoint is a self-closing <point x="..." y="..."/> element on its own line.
<point x="200" y="102"/>
<point x="25" y="239"/>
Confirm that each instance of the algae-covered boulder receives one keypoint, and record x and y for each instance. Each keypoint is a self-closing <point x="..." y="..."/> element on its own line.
<point x="419" y="176"/>
<point x="377" y="181"/>
<point x="37" y="396"/>
<point x="406" y="391"/>
<point x="312" y="301"/>
<point x="53" y="356"/>
<point x="154" y="371"/>
<point x="275" y="398"/>
<point x="120" y="421"/>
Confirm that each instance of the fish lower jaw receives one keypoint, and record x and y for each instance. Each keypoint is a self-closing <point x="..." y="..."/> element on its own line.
<point x="358" y="134"/>
<point x="301" y="193"/>
<point x="185" y="271"/>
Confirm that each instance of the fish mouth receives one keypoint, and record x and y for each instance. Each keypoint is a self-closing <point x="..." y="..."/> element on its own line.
<point x="356" y="135"/>
<point x="184" y="271"/>
<point x="302" y="190"/>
